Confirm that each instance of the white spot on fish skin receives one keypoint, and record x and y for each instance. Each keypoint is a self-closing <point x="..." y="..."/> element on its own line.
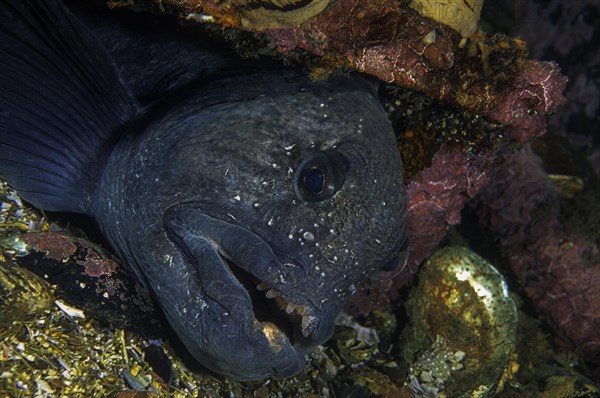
<point x="237" y="197"/>
<point x="378" y="241"/>
<point x="322" y="274"/>
<point x="331" y="231"/>
<point x="290" y="236"/>
<point x="311" y="256"/>
<point x="275" y="166"/>
<point x="256" y="205"/>
<point x="317" y="268"/>
<point x="289" y="147"/>
<point x="309" y="236"/>
<point x="230" y="215"/>
<point x="270" y="223"/>
<point x="325" y="115"/>
<point x="316" y="225"/>
<point x="322" y="105"/>
<point x="335" y="258"/>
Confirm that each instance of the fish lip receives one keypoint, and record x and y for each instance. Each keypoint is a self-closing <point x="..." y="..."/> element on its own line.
<point x="304" y="314"/>
<point x="218" y="235"/>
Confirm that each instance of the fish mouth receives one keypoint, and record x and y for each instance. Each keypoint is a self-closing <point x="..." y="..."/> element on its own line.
<point x="270" y="305"/>
<point x="267" y="328"/>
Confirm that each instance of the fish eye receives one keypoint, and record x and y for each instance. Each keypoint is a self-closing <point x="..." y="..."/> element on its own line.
<point x="320" y="175"/>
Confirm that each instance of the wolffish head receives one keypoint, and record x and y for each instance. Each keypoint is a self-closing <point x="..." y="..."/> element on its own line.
<point x="287" y="194"/>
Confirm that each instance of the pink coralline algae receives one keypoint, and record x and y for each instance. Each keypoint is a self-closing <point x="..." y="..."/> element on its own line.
<point x="96" y="266"/>
<point x="560" y="269"/>
<point x="397" y="45"/>
<point x="55" y="246"/>
<point x="438" y="194"/>
<point x="536" y="91"/>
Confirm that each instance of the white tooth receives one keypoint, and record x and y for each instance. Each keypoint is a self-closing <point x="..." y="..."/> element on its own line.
<point x="301" y="310"/>
<point x="272" y="293"/>
<point x="290" y="308"/>
<point x="305" y="324"/>
<point x="262" y="286"/>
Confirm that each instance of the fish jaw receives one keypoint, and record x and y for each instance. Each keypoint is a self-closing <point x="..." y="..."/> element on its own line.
<point x="240" y="325"/>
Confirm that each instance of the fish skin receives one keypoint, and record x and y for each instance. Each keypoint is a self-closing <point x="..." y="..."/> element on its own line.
<point x="207" y="179"/>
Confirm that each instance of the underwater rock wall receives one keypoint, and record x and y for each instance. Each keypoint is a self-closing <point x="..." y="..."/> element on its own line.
<point x="559" y="266"/>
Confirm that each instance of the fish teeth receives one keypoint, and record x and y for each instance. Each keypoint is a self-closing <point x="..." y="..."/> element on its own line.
<point x="295" y="312"/>
<point x="290" y="308"/>
<point x="306" y="322"/>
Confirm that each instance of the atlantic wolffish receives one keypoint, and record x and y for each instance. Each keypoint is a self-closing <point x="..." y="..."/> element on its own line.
<point x="248" y="198"/>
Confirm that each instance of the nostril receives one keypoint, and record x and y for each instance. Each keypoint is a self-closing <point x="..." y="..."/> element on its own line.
<point x="391" y="264"/>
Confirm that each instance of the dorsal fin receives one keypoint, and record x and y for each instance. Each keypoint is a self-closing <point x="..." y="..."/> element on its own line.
<point x="155" y="54"/>
<point x="61" y="104"/>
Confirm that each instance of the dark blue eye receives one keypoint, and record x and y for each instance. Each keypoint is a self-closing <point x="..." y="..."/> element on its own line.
<point x="314" y="180"/>
<point x="320" y="175"/>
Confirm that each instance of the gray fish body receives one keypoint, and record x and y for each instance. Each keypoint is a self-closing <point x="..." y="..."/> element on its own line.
<point x="255" y="180"/>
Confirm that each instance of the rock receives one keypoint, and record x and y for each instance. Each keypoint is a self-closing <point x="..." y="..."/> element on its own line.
<point x="23" y="295"/>
<point x="462" y="329"/>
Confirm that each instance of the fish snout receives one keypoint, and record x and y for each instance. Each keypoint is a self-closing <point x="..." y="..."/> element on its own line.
<point x="248" y="325"/>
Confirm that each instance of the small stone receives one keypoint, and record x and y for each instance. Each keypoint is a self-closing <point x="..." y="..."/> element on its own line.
<point x="23" y="295"/>
<point x="463" y="301"/>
